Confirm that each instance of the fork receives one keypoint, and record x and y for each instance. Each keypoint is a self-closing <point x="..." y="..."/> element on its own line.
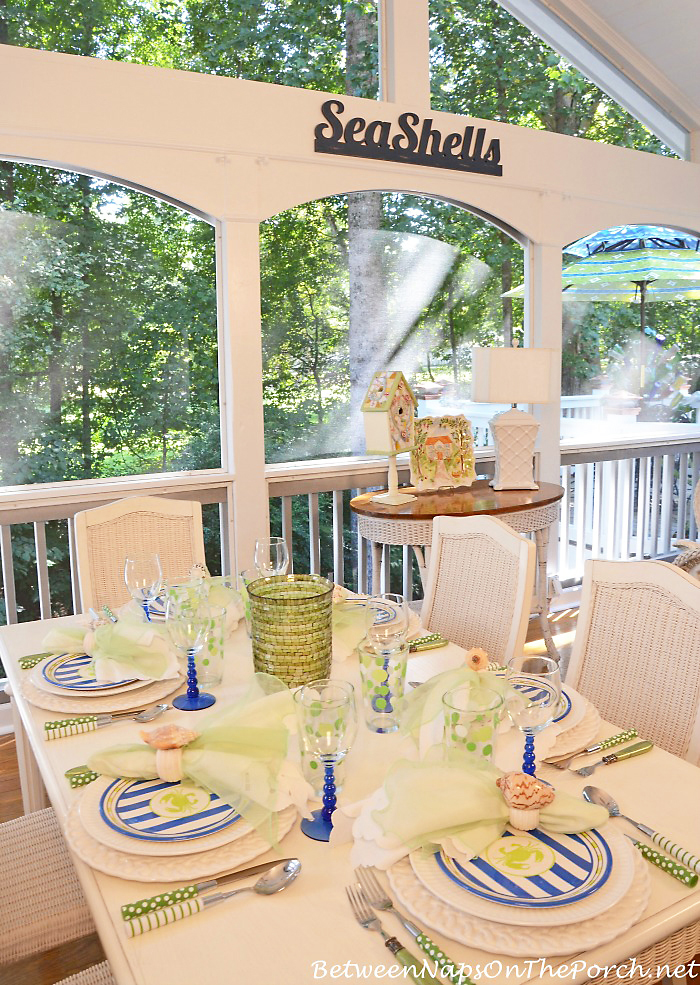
<point x="379" y="899"/>
<point x="365" y="917"/>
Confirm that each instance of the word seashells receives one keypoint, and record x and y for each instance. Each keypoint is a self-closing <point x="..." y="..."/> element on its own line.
<point x="525" y="795"/>
<point x="169" y="737"/>
<point x="477" y="659"/>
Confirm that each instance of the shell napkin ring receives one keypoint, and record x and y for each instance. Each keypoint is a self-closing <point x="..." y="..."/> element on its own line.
<point x="169" y="741"/>
<point x="524" y="795"/>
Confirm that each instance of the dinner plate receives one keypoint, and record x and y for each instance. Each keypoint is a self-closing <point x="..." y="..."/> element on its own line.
<point x="66" y="671"/>
<point x="156" y="818"/>
<point x="539" y="941"/>
<point x="186" y="868"/>
<point x="525" y="878"/>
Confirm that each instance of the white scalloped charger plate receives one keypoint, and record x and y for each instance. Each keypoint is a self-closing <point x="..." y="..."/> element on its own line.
<point x="91" y="819"/>
<point x="499" y="938"/>
<point x="114" y="701"/>
<point x="188" y="868"/>
<point x="580" y="736"/>
<point x="596" y="892"/>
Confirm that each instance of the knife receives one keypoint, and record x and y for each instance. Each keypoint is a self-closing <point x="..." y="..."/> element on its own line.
<point x="86" y="723"/>
<point x="561" y="762"/>
<point x="638" y="749"/>
<point x="131" y="911"/>
<point x="674" y="869"/>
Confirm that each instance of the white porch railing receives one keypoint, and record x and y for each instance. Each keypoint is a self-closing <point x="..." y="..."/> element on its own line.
<point x="625" y="497"/>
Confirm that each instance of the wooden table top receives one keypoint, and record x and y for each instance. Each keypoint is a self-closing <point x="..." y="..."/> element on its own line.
<point x="463" y="501"/>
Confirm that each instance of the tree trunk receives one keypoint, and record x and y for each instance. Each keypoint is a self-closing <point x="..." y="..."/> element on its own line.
<point x="507" y="303"/>
<point x="367" y="315"/>
<point x="56" y="362"/>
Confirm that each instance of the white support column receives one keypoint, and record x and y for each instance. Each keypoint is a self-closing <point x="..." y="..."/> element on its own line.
<point x="543" y="328"/>
<point x="404" y="52"/>
<point x="240" y="382"/>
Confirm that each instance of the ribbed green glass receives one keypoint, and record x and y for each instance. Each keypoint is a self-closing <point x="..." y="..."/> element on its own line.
<point x="291" y="619"/>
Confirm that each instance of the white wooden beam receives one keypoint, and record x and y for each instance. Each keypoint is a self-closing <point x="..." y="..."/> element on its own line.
<point x="404" y="52"/>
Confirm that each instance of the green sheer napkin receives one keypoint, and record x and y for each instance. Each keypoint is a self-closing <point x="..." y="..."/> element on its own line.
<point x="349" y="627"/>
<point x="219" y="592"/>
<point x="125" y="649"/>
<point x="422" y="706"/>
<point x="455" y="806"/>
<point x="241" y="754"/>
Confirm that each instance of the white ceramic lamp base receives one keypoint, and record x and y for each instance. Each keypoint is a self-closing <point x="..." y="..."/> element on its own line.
<point x="393" y="497"/>
<point x="514" y="436"/>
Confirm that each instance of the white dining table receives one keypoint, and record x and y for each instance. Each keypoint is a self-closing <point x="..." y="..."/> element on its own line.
<point x="307" y="933"/>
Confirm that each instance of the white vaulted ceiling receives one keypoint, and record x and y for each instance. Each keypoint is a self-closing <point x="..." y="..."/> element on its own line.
<point x="643" y="53"/>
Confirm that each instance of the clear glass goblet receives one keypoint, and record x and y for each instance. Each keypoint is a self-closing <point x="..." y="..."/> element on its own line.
<point x="271" y="556"/>
<point x="188" y="623"/>
<point x="388" y="618"/>
<point x="143" y="577"/>
<point x="532" y="698"/>
<point x="327" y="718"/>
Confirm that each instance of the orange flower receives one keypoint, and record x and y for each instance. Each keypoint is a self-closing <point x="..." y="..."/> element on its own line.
<point x="477" y="659"/>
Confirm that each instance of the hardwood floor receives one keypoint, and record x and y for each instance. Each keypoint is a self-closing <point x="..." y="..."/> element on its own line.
<point x="52" y="966"/>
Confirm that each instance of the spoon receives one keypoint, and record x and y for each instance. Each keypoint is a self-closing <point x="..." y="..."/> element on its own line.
<point x="88" y="723"/>
<point x="594" y="795"/>
<point x="273" y="881"/>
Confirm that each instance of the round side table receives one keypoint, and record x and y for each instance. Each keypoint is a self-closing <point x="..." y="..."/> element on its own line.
<point x="526" y="510"/>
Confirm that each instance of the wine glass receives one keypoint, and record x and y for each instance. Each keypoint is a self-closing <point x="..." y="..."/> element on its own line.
<point x="327" y="719"/>
<point x="143" y="577"/>
<point x="533" y="697"/>
<point x="188" y="623"/>
<point x="388" y="618"/>
<point x="271" y="556"/>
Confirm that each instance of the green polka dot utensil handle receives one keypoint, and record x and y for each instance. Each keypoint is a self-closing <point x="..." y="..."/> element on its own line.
<point x="144" y="906"/>
<point x="448" y="970"/>
<point x="614" y="740"/>
<point x="70" y="726"/>
<point x="159" y="918"/>
<point x="26" y="663"/>
<point x="80" y="776"/>
<point x="669" y="865"/>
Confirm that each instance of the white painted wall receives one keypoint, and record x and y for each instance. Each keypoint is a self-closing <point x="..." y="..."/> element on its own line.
<point x="238" y="152"/>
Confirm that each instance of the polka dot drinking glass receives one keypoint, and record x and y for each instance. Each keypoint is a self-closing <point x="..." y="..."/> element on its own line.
<point x="383" y="675"/>
<point x="471" y="720"/>
<point x="327" y="720"/>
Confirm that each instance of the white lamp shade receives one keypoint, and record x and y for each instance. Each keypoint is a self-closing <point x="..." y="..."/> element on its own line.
<point x="514" y="376"/>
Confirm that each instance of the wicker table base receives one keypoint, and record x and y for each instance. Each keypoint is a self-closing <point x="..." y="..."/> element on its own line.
<point x="527" y="511"/>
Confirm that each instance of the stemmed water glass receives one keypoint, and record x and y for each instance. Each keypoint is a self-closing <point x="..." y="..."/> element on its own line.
<point x="188" y="623"/>
<point x="327" y="720"/>
<point x="271" y="556"/>
<point x="388" y="618"/>
<point x="533" y="698"/>
<point x="143" y="577"/>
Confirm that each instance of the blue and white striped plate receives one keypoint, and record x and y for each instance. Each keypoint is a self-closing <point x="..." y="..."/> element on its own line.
<point x="155" y="811"/>
<point x="64" y="671"/>
<point x="527" y="877"/>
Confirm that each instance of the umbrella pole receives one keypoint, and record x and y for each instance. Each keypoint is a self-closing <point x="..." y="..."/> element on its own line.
<point x="642" y="313"/>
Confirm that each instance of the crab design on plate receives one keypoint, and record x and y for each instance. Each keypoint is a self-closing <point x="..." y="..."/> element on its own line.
<point x="519" y="856"/>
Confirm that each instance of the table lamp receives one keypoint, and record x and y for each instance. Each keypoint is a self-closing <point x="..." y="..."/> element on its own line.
<point x="513" y="375"/>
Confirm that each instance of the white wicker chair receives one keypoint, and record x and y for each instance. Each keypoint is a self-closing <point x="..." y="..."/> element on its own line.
<point x="480" y="584"/>
<point x="636" y="655"/>
<point x="41" y="903"/>
<point x="105" y="536"/>
<point x="98" y="974"/>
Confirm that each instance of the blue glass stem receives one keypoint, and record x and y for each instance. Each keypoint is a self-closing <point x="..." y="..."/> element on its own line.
<point x="192" y="689"/>
<point x="144" y="604"/>
<point x="329" y="798"/>
<point x="529" y="754"/>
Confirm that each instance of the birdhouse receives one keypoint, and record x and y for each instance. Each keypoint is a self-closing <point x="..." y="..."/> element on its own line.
<point x="389" y="412"/>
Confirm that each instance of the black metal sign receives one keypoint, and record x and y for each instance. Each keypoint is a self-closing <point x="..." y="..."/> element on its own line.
<point x="414" y="142"/>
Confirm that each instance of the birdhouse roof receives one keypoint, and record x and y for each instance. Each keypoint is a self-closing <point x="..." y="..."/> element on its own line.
<point x="382" y="389"/>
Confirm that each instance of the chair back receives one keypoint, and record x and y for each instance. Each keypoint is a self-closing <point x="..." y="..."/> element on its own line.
<point x="480" y="584"/>
<point x="636" y="654"/>
<point x="107" y="535"/>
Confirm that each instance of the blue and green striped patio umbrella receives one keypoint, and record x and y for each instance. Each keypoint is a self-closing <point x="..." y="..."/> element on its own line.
<point x="632" y="275"/>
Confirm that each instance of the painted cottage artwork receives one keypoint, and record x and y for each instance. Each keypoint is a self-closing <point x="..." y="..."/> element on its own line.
<point x="388" y="411"/>
<point x="443" y="455"/>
